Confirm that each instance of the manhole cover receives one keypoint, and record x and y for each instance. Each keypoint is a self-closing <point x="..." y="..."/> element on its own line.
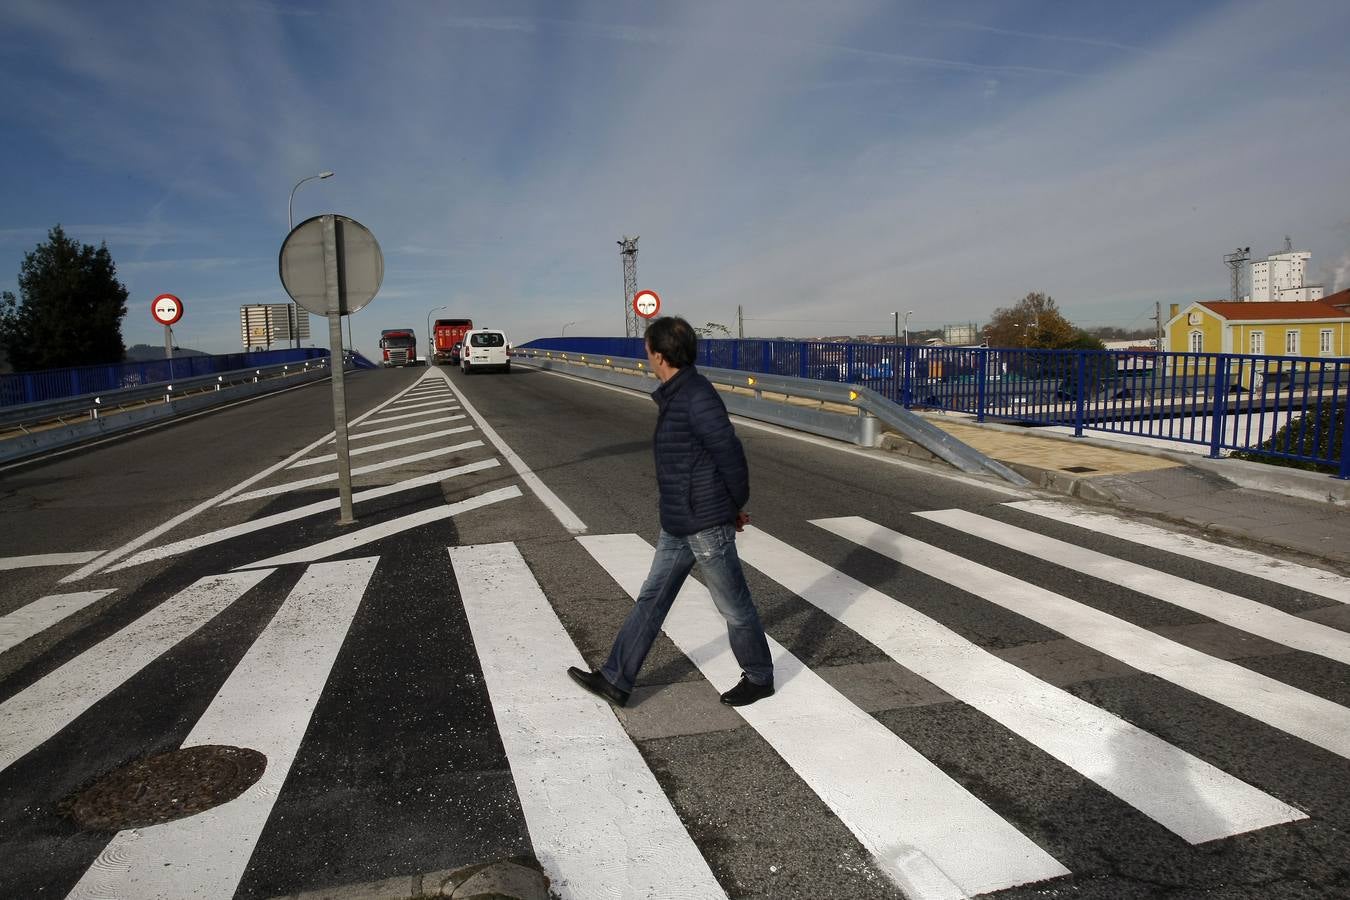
<point x="165" y="787"/>
<point x="1077" y="469"/>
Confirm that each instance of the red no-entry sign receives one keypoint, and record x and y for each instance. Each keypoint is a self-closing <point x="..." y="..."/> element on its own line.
<point x="646" y="304"/>
<point x="167" y="309"/>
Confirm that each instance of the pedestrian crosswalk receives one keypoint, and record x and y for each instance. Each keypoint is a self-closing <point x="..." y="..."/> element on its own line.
<point x="583" y="785"/>
<point x="602" y="814"/>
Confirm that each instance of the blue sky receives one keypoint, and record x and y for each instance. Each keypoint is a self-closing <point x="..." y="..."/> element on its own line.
<point x="821" y="164"/>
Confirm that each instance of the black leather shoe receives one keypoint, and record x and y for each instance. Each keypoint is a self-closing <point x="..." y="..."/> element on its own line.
<point x="598" y="685"/>
<point x="747" y="692"/>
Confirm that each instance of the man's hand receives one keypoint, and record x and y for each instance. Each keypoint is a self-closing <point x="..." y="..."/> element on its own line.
<point x="742" y="520"/>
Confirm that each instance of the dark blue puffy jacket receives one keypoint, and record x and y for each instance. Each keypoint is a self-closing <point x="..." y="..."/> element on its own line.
<point x="700" y="464"/>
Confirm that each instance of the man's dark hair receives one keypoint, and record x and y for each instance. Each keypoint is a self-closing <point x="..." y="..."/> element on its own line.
<point x="674" y="339"/>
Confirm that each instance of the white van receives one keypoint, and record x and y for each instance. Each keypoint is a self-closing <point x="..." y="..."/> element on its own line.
<point x="485" y="348"/>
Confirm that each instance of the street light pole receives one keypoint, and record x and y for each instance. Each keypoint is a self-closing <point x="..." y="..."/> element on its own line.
<point x="564" y="328"/>
<point x="290" y="226"/>
<point x="907" y="315"/>
<point x="431" y="339"/>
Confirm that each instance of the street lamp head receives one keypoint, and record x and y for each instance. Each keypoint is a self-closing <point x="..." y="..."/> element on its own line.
<point x="325" y="174"/>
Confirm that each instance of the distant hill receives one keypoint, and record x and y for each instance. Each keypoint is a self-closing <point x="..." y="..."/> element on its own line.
<point x="148" y="353"/>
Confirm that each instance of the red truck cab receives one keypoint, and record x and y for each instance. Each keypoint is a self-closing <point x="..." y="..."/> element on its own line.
<point x="398" y="347"/>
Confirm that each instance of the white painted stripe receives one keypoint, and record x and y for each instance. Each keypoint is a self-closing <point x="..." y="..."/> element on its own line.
<point x="422" y="394"/>
<point x="1289" y="709"/>
<point x="48" y="559"/>
<point x="1300" y="577"/>
<point x="418" y="397"/>
<point x="413" y="415"/>
<point x="1185" y="795"/>
<point x="383" y="530"/>
<point x="42" y="614"/>
<point x="360" y="470"/>
<point x="411" y="425"/>
<point x="930" y="834"/>
<point x="133" y="545"/>
<point x="561" y="511"/>
<point x="583" y="786"/>
<point x="51" y="703"/>
<point x="265" y="705"/>
<point x="401" y="407"/>
<point x="375" y="448"/>
<point x="224" y="534"/>
<point x="1239" y="612"/>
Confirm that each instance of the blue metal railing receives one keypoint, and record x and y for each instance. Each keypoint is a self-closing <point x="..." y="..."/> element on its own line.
<point x="1291" y="408"/>
<point x="53" y="384"/>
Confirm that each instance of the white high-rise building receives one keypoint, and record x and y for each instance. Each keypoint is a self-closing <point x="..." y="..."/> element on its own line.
<point x="1280" y="276"/>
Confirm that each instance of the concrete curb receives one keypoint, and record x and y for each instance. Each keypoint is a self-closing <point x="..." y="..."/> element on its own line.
<point x="520" y="878"/>
<point x="1094" y="489"/>
<point x="1046" y="479"/>
<point x="1243" y="473"/>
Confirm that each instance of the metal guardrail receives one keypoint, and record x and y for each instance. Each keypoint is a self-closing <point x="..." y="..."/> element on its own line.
<point x="97" y="420"/>
<point x="745" y="397"/>
<point x="93" y="405"/>
<point x="1288" y="408"/>
<point x="55" y="384"/>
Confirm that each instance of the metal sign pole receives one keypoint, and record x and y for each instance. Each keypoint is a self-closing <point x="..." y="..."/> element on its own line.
<point x="334" y="280"/>
<point x="168" y="347"/>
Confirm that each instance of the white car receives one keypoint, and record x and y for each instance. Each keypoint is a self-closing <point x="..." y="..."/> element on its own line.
<point x="485" y="348"/>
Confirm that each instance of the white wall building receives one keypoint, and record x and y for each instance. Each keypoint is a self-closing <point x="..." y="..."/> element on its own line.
<point x="1280" y="276"/>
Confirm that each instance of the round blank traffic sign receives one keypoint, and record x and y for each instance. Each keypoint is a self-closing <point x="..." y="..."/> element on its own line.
<point x="646" y="304"/>
<point x="166" y="309"/>
<point x="304" y="265"/>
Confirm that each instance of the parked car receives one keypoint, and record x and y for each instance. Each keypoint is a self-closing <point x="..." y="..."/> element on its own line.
<point x="485" y="348"/>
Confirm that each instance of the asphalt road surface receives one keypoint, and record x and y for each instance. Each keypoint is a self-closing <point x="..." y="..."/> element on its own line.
<point x="981" y="691"/>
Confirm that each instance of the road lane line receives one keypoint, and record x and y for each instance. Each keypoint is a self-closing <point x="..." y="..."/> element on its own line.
<point x="561" y="511"/>
<point x="52" y="702"/>
<point x="224" y="534"/>
<point x="361" y="470"/>
<point x="133" y="545"/>
<point x="1314" y="719"/>
<point x="930" y="834"/>
<point x="264" y="705"/>
<point x="375" y="448"/>
<point x="409" y="401"/>
<point x="413" y="415"/>
<point x="1221" y="606"/>
<point x="583" y="786"/>
<point x="411" y="425"/>
<point x="383" y="530"/>
<point x="1158" y="779"/>
<point x="1303" y="578"/>
<point x="400" y="407"/>
<point x="42" y="614"/>
<point x="40" y="560"/>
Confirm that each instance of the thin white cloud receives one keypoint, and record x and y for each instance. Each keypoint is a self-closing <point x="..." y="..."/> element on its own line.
<point x="814" y="163"/>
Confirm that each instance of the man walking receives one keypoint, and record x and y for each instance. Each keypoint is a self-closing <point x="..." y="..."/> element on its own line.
<point x="704" y="483"/>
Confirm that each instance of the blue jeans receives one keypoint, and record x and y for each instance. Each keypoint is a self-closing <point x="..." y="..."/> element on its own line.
<point x="714" y="549"/>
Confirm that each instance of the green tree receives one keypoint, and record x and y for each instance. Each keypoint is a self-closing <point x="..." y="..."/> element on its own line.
<point x="712" y="329"/>
<point x="71" y="309"/>
<point x="1033" y="321"/>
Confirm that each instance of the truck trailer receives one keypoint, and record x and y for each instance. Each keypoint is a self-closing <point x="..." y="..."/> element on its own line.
<point x="446" y="337"/>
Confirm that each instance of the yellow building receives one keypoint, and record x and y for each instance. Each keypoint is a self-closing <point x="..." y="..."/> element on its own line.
<point x="1312" y="328"/>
